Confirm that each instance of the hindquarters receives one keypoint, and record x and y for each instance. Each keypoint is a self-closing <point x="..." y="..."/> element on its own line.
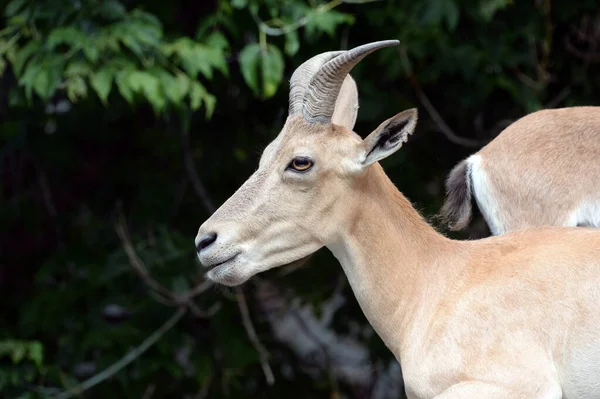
<point x="466" y="180"/>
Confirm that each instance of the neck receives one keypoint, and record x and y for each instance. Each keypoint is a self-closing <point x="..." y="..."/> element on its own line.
<point x="391" y="257"/>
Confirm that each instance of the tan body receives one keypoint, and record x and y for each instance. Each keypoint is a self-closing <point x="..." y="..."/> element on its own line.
<point x="515" y="316"/>
<point x="544" y="169"/>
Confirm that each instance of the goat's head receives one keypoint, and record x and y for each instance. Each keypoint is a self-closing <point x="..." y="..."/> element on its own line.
<point x="295" y="202"/>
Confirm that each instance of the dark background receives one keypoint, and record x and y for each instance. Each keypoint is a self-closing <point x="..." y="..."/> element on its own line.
<point x="125" y="122"/>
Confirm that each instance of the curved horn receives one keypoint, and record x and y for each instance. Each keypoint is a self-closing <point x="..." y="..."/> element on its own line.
<point x="302" y="75"/>
<point x="324" y="87"/>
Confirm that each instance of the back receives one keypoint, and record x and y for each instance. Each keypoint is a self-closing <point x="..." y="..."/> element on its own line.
<point x="543" y="169"/>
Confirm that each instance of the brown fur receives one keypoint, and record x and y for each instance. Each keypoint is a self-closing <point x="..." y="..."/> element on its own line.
<point x="540" y="170"/>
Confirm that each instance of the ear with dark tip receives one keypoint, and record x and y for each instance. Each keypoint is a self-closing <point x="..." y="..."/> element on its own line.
<point x="388" y="137"/>
<point x="346" y="105"/>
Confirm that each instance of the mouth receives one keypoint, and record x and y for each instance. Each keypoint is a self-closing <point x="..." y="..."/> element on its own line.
<point x="219" y="264"/>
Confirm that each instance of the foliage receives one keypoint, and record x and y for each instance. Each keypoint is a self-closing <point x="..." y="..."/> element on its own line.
<point x="104" y="101"/>
<point x="77" y="46"/>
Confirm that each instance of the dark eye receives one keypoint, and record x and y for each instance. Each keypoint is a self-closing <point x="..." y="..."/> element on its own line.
<point x="301" y="164"/>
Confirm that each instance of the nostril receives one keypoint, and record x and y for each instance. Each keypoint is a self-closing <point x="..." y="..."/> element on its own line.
<point x="205" y="241"/>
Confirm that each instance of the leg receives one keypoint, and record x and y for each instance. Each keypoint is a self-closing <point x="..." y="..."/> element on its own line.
<point x="476" y="389"/>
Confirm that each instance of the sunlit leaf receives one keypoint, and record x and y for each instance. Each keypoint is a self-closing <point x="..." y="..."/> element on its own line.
<point x="36" y="353"/>
<point x="262" y="70"/>
<point x="197" y="93"/>
<point x="101" y="82"/>
<point x="122" y="81"/>
<point x="77" y="67"/>
<point x="149" y="86"/>
<point x="217" y="40"/>
<point x="209" y="103"/>
<point x="272" y="70"/>
<point x="175" y="87"/>
<point x="76" y="88"/>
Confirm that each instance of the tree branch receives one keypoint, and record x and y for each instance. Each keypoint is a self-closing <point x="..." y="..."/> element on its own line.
<point x="251" y="332"/>
<point x="239" y="295"/>
<point x="125" y="360"/>
<point x="433" y="113"/>
<point x="264" y="26"/>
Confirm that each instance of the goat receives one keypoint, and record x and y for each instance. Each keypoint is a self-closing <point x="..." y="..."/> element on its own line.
<point x="511" y="316"/>
<point x="543" y="169"/>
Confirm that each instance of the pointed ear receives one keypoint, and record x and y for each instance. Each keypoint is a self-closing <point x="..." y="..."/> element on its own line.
<point x="388" y="137"/>
<point x="346" y="105"/>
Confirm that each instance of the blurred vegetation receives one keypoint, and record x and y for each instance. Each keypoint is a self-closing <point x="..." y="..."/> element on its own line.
<point x="125" y="122"/>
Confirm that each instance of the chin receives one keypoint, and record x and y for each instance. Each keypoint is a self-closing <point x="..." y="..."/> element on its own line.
<point x="227" y="276"/>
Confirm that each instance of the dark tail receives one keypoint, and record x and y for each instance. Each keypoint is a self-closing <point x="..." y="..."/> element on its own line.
<point x="456" y="211"/>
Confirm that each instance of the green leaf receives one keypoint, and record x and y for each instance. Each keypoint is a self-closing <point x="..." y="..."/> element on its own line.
<point x="132" y="44"/>
<point x="149" y="86"/>
<point x="209" y="103"/>
<point x="197" y="93"/>
<point x="272" y="70"/>
<point x="292" y="45"/>
<point x="239" y="3"/>
<point x="111" y="10"/>
<point x="122" y="81"/>
<point x="36" y="353"/>
<point x="18" y="353"/>
<point x="91" y="52"/>
<point x="452" y="14"/>
<point x="175" y="87"/>
<point x="13" y="8"/>
<point x="196" y="57"/>
<point x="271" y="67"/>
<point x="101" y="81"/>
<point x="488" y="8"/>
<point x="66" y="35"/>
<point x="217" y="40"/>
<point x="106" y="41"/>
<point x="438" y="10"/>
<point x="327" y="22"/>
<point x="76" y="88"/>
<point x="77" y="68"/>
<point x="29" y="76"/>
<point x="249" y="59"/>
<point x="23" y="55"/>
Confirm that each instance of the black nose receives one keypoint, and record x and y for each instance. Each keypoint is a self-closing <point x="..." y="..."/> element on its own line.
<point x="205" y="241"/>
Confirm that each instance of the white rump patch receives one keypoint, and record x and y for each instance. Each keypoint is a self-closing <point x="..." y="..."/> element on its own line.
<point x="487" y="203"/>
<point x="587" y="214"/>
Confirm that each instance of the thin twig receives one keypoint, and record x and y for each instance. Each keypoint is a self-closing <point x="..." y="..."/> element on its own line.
<point x="125" y="360"/>
<point x="560" y="97"/>
<point x="168" y="297"/>
<point x="433" y="113"/>
<point x="283" y="30"/>
<point x="188" y="161"/>
<point x="251" y="332"/>
<point x="239" y="295"/>
<point x="149" y="391"/>
<point x="134" y="260"/>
